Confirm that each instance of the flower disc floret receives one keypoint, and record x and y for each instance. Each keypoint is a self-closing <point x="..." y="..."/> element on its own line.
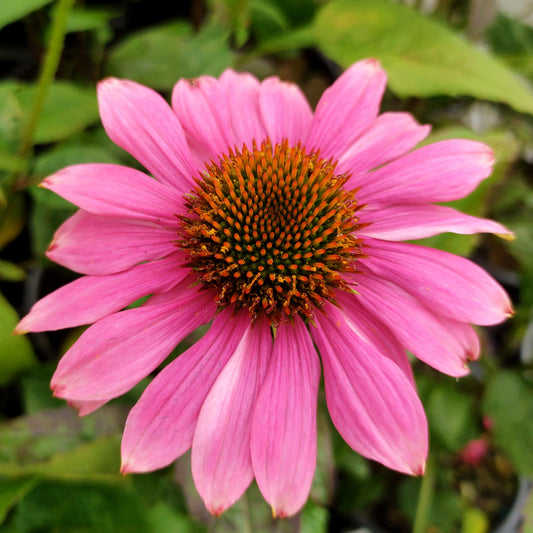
<point x="271" y="229"/>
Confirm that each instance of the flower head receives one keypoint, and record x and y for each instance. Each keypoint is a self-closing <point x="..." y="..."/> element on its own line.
<point x="282" y="227"/>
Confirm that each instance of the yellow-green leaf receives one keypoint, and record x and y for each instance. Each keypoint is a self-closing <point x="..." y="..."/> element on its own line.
<point x="422" y="57"/>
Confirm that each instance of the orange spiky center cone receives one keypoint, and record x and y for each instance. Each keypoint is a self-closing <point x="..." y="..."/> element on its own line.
<point x="272" y="229"/>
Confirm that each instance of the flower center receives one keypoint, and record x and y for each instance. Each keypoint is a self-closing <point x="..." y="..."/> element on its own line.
<point x="271" y="229"/>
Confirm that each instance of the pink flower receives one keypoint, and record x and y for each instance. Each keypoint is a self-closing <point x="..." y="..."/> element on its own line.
<point x="474" y="451"/>
<point x="282" y="226"/>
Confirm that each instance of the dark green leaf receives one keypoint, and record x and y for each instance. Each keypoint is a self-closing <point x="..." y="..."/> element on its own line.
<point x="234" y="14"/>
<point x="89" y="19"/>
<point x="422" y="57"/>
<point x="12" y="218"/>
<point x="162" y="517"/>
<point x="313" y="518"/>
<point x="509" y="403"/>
<point x="63" y="156"/>
<point x="52" y="442"/>
<point x="13" y="10"/>
<point x="446" y="507"/>
<point x="16" y="353"/>
<point x="68" y="108"/>
<point x="49" y="211"/>
<point x="11" y="121"/>
<point x="268" y="19"/>
<point x="81" y="508"/>
<point x="451" y="417"/>
<point x="12" y="491"/>
<point x="323" y="481"/>
<point x="159" y="56"/>
<point x="35" y="389"/>
<point x="509" y="36"/>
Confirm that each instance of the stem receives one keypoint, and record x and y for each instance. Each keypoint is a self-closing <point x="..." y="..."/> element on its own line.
<point x="425" y="498"/>
<point x="47" y="74"/>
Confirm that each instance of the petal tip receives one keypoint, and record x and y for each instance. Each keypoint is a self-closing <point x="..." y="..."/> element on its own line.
<point x="110" y="80"/>
<point x="490" y="159"/>
<point x="215" y="510"/>
<point x="21" y="328"/>
<point x="126" y="469"/>
<point x="506" y="236"/>
<point x="371" y="63"/>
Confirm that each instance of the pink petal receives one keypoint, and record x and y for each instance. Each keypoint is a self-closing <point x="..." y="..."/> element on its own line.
<point x="391" y="136"/>
<point x="284" y="421"/>
<point x="221" y="461"/>
<point x="372" y="403"/>
<point x="201" y="107"/>
<point x="243" y="102"/>
<point x="114" y="190"/>
<point x="347" y="109"/>
<point x="91" y="244"/>
<point x="118" y="351"/>
<point x="442" y="343"/>
<point x="417" y="221"/>
<point x="140" y="121"/>
<point x="458" y="288"/>
<point x="439" y="172"/>
<point x="86" y="408"/>
<point x="369" y="328"/>
<point x="161" y="425"/>
<point x="285" y="111"/>
<point x="91" y="298"/>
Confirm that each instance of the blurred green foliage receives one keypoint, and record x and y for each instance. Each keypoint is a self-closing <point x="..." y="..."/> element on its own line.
<point x="59" y="473"/>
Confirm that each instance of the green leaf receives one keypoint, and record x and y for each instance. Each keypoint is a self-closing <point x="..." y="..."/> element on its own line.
<point x="313" y="518"/>
<point x="159" y="56"/>
<point x="11" y="122"/>
<point x="324" y="479"/>
<point x="421" y="56"/>
<point x="10" y="162"/>
<point x="13" y="10"/>
<point x="509" y="403"/>
<point x="446" y="509"/>
<point x="357" y="485"/>
<point x="48" y="213"/>
<point x="16" y="353"/>
<point x="35" y="389"/>
<point x="63" y="156"/>
<point x="11" y="272"/>
<point x="89" y="19"/>
<point x="68" y="108"/>
<point x="510" y="36"/>
<point x="58" y="443"/>
<point x="162" y="517"/>
<point x="268" y="19"/>
<point x="12" y="491"/>
<point x="12" y="218"/>
<point x="451" y="417"/>
<point x="234" y="14"/>
<point x="81" y="508"/>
